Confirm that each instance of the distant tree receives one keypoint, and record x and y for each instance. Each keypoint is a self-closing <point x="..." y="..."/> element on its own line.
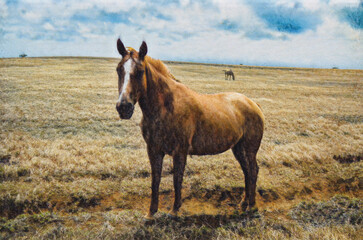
<point x="335" y="68"/>
<point x="23" y="55"/>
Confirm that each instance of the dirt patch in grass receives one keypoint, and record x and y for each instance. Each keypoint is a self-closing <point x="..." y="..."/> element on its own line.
<point x="5" y="158"/>
<point x="355" y="119"/>
<point x="348" y="158"/>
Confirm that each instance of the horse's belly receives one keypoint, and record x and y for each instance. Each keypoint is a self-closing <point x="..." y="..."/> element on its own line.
<point x="207" y="151"/>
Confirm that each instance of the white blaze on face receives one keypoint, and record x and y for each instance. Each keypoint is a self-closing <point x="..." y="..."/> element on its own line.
<point x="127" y="68"/>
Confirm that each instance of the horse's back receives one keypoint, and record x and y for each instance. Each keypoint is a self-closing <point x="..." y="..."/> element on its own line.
<point x="232" y="103"/>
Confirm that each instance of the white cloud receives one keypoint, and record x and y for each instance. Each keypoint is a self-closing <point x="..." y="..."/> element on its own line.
<point x="344" y="2"/>
<point x="49" y="27"/>
<point x="313" y="5"/>
<point x="117" y="5"/>
<point x="239" y="12"/>
<point x="184" y="2"/>
<point x="3" y="10"/>
<point x="34" y="17"/>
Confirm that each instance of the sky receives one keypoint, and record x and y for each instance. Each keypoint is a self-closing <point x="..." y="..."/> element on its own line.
<point x="294" y="33"/>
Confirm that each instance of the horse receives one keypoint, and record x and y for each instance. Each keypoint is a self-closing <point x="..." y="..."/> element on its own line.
<point x="178" y="121"/>
<point x="228" y="74"/>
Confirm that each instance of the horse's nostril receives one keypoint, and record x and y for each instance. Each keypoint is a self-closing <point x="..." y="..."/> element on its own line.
<point x="124" y="106"/>
<point x="128" y="105"/>
<point x="125" y="109"/>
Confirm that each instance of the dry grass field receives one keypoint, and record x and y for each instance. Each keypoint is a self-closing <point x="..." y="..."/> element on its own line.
<point x="71" y="169"/>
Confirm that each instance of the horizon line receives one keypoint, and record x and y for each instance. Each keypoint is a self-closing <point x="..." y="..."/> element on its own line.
<point x="216" y="63"/>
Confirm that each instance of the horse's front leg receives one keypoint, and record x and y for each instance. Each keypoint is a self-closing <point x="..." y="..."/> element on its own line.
<point x="179" y="162"/>
<point x="156" y="162"/>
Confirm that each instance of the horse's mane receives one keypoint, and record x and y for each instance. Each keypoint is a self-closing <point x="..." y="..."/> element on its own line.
<point x="157" y="64"/>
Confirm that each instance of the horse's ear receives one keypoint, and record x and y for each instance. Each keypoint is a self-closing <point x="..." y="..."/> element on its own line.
<point x="142" y="51"/>
<point x="121" y="48"/>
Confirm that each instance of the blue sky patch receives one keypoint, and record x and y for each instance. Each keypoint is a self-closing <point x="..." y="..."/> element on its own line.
<point x="228" y="26"/>
<point x="354" y="16"/>
<point x="258" y="34"/>
<point x="95" y="15"/>
<point x="285" y="19"/>
<point x="163" y="17"/>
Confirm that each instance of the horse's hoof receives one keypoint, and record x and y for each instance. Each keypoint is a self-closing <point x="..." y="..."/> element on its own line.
<point x="252" y="212"/>
<point x="149" y="217"/>
<point x="253" y="209"/>
<point x="244" y="206"/>
<point x="173" y="215"/>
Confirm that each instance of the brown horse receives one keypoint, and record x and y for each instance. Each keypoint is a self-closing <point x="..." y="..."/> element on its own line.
<point x="228" y="74"/>
<point x="178" y="121"/>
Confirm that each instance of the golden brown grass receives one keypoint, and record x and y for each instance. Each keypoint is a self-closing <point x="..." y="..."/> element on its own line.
<point x="69" y="162"/>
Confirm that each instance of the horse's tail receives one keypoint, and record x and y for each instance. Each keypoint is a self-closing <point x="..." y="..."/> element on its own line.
<point x="233" y="75"/>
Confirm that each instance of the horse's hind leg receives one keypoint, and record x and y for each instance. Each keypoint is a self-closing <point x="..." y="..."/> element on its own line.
<point x="247" y="160"/>
<point x="253" y="172"/>
<point x="240" y="155"/>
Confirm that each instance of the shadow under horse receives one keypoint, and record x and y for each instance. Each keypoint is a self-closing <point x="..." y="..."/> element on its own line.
<point x="178" y="121"/>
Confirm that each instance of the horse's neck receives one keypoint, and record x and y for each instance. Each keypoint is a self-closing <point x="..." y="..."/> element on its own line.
<point x="157" y="92"/>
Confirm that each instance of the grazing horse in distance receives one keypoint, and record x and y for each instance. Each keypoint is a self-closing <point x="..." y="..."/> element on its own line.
<point x="228" y="74"/>
<point x="179" y="122"/>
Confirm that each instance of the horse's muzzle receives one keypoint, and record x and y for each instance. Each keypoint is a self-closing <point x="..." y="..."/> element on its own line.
<point x="125" y="110"/>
